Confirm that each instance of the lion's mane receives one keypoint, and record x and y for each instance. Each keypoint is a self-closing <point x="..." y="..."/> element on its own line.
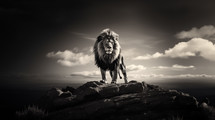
<point x="103" y="60"/>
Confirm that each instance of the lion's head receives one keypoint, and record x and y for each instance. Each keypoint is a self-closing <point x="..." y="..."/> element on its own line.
<point x="107" y="49"/>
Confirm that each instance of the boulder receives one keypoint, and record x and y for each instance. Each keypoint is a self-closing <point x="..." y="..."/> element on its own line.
<point x="66" y="94"/>
<point x="132" y="87"/>
<point x="132" y="101"/>
<point x="53" y="93"/>
<point x="68" y="88"/>
<point x="97" y="90"/>
<point x="108" y="91"/>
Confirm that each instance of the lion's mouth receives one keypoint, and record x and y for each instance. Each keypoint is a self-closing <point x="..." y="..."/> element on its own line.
<point x="108" y="51"/>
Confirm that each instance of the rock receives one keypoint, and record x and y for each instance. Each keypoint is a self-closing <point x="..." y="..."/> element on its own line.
<point x="144" y="84"/>
<point x="204" y="105"/>
<point x="132" y="87"/>
<point x="133" y="101"/>
<point x="206" y="100"/>
<point x="108" y="91"/>
<point x="88" y="91"/>
<point x="66" y="94"/>
<point x="61" y="102"/>
<point x="95" y="90"/>
<point x="70" y="89"/>
<point x="86" y="86"/>
<point x="87" y="94"/>
<point x="55" y="98"/>
<point x="53" y="93"/>
<point x="132" y="81"/>
<point x="152" y="87"/>
<point x="186" y="101"/>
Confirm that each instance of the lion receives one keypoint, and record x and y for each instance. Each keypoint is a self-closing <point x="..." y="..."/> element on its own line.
<point x="107" y="52"/>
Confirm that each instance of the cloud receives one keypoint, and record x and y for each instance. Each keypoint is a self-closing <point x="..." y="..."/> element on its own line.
<point x="148" y="56"/>
<point x="69" y="58"/>
<point x="164" y="76"/>
<point x="195" y="76"/>
<point x="87" y="74"/>
<point x="152" y="75"/>
<point x="89" y="38"/>
<point x="135" y="67"/>
<point x="84" y="36"/>
<point x="194" y="47"/>
<point x="207" y="31"/>
<point x="175" y="67"/>
<point x="139" y="76"/>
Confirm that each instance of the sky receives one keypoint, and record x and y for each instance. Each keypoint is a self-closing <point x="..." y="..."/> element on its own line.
<point x="160" y="40"/>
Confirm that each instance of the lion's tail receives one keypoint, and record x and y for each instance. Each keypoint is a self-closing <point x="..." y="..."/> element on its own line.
<point x="120" y="75"/>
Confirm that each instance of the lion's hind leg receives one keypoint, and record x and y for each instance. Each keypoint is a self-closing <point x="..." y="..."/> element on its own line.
<point x="123" y="69"/>
<point x="125" y="75"/>
<point x="111" y="74"/>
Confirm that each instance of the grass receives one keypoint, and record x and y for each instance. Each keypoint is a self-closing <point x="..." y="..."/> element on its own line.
<point x="31" y="113"/>
<point x="176" y="118"/>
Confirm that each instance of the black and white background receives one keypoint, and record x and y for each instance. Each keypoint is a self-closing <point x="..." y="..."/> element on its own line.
<point x="49" y="43"/>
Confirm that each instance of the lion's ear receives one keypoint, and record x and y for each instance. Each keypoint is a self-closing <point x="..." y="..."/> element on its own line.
<point x="117" y="37"/>
<point x="99" y="38"/>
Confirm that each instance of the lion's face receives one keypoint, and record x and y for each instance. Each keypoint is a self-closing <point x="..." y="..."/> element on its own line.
<point x="107" y="48"/>
<point x="108" y="44"/>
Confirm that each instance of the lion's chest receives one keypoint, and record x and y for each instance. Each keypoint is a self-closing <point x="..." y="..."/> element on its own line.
<point x="108" y="59"/>
<point x="108" y="64"/>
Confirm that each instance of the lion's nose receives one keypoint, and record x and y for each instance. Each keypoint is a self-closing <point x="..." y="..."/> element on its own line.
<point x="109" y="47"/>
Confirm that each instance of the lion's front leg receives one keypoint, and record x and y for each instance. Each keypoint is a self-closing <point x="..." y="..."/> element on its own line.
<point x="114" y="76"/>
<point x="103" y="73"/>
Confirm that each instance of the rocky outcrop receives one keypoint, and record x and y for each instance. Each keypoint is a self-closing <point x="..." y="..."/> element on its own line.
<point x="132" y="101"/>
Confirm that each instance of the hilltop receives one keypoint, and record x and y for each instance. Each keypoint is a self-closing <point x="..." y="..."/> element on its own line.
<point x="132" y="101"/>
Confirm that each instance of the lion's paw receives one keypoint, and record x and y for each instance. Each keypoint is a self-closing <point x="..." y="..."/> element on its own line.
<point x="104" y="81"/>
<point x="113" y="82"/>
